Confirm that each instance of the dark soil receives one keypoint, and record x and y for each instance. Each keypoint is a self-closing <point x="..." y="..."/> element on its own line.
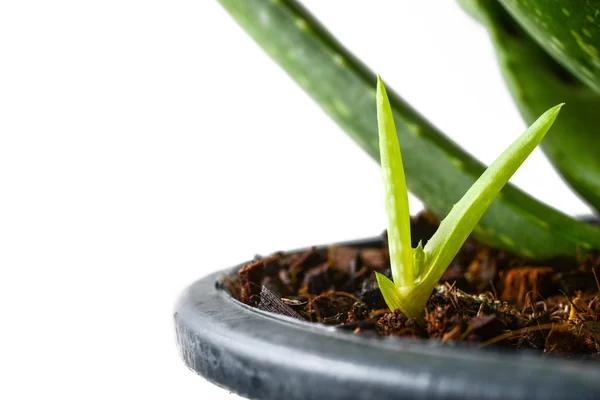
<point x="486" y="296"/>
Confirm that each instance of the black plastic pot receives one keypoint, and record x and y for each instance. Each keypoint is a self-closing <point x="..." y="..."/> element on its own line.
<point x="264" y="356"/>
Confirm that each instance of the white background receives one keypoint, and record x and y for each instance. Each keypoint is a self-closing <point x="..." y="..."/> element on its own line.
<point x="144" y="144"/>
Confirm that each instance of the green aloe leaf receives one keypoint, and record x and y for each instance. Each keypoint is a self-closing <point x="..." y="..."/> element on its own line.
<point x="456" y="227"/>
<point x="437" y="170"/>
<point x="569" y="30"/>
<point x="537" y="82"/>
<point x="396" y="192"/>
<point x="392" y="296"/>
<point x="417" y="271"/>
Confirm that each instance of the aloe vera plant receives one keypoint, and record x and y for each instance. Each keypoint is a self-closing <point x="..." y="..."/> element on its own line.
<point x="415" y="272"/>
<point x="537" y="81"/>
<point x="437" y="170"/>
<point x="568" y="30"/>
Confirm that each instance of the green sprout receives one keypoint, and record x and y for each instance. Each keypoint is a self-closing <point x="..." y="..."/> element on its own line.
<point x="415" y="272"/>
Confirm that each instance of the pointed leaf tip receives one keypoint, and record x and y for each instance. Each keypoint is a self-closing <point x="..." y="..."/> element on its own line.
<point x="380" y="95"/>
<point x="395" y="192"/>
<point x="547" y="119"/>
<point x="460" y="221"/>
<point x="389" y="291"/>
<point x="556" y="109"/>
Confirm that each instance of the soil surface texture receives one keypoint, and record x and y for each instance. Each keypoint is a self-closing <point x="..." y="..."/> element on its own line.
<point x="486" y="297"/>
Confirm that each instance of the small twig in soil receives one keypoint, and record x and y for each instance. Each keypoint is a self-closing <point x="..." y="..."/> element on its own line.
<point x="494" y="290"/>
<point x="315" y="309"/>
<point x="349" y="295"/>
<point x="596" y="277"/>
<point x="465" y="333"/>
<point x="510" y="334"/>
<point x="377" y="313"/>
<point x="541" y="330"/>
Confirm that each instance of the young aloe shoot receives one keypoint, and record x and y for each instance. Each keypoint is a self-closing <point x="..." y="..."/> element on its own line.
<point x="415" y="272"/>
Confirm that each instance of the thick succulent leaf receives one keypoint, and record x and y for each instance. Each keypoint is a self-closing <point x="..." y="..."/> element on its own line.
<point x="437" y="170"/>
<point x="390" y="292"/>
<point x="457" y="226"/>
<point x="411" y="301"/>
<point x="537" y="82"/>
<point x="396" y="193"/>
<point x="569" y="30"/>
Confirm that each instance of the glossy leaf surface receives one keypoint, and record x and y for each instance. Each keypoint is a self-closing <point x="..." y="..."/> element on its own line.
<point x="437" y="170"/>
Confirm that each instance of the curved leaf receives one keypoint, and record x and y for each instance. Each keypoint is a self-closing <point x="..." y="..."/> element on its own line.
<point x="569" y="30"/>
<point x="536" y="83"/>
<point x="458" y="224"/>
<point x="437" y="170"/>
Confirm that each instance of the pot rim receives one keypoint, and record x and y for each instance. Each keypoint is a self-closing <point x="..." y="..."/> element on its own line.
<point x="266" y="356"/>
